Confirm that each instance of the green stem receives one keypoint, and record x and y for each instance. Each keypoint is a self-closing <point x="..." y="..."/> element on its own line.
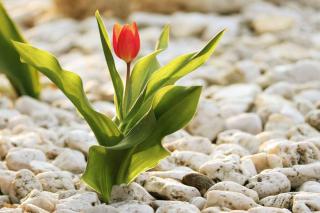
<point x="126" y="92"/>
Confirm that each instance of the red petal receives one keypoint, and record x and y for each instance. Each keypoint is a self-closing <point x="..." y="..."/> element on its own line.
<point x="116" y="32"/>
<point x="127" y="46"/>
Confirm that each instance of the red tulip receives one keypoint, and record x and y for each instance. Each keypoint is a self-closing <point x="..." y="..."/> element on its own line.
<point x="126" y="41"/>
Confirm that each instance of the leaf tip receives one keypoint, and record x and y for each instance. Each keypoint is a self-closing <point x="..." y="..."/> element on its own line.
<point x="97" y="13"/>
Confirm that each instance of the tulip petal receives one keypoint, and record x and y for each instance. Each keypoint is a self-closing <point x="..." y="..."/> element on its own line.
<point x="116" y="32"/>
<point x="128" y="44"/>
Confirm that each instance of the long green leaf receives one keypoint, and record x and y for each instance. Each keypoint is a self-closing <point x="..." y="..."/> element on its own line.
<point x="168" y="75"/>
<point x="115" y="77"/>
<point x="24" y="79"/>
<point x="71" y="85"/>
<point x="143" y="69"/>
<point x="141" y="149"/>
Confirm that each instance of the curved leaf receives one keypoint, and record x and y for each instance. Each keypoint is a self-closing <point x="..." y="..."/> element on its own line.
<point x="168" y="75"/>
<point x="23" y="78"/>
<point x="71" y="85"/>
<point x="141" y="149"/>
<point x="143" y="69"/>
<point x="115" y="77"/>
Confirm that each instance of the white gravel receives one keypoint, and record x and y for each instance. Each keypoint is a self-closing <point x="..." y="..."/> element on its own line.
<point x="253" y="145"/>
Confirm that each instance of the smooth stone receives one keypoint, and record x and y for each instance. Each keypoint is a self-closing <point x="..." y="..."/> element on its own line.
<point x="235" y="187"/>
<point x="278" y="122"/>
<point x="4" y="201"/>
<point x="229" y="168"/>
<point x="44" y="200"/>
<point x="298" y="174"/>
<point x="32" y="208"/>
<point x="20" y="158"/>
<point x="23" y="183"/>
<point x="133" y="191"/>
<point x="246" y="140"/>
<point x="263" y="161"/>
<point x="194" y="160"/>
<point x="132" y="207"/>
<point x="103" y="208"/>
<point x="269" y="183"/>
<point x="178" y="207"/>
<point x="310" y="186"/>
<point x="30" y="106"/>
<point x="79" y="140"/>
<point x="268" y="210"/>
<point x="302" y="132"/>
<point x="313" y="118"/>
<point x="5" y="145"/>
<point x="208" y="121"/>
<point x="231" y="200"/>
<point x="267" y="104"/>
<point x="199" y="202"/>
<point x="306" y="202"/>
<point x="194" y="143"/>
<point x="176" y="173"/>
<point x="70" y="160"/>
<point x="78" y="202"/>
<point x="5" y="116"/>
<point x="6" y="177"/>
<point x="42" y="166"/>
<point x="56" y="181"/>
<point x="229" y="149"/>
<point x="199" y="181"/>
<point x="170" y="189"/>
<point x="303" y="71"/>
<point x="271" y="23"/>
<point x="11" y="210"/>
<point x="269" y="135"/>
<point x="284" y="89"/>
<point x="197" y="24"/>
<point x="303" y="105"/>
<point x="247" y="122"/>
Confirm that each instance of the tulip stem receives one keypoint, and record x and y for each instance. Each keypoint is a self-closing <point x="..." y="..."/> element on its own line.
<point x="126" y="92"/>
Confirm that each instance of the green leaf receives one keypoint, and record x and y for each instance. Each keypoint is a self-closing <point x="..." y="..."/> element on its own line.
<point x="24" y="79"/>
<point x="144" y="68"/>
<point x="168" y="75"/>
<point x="115" y="77"/>
<point x="71" y="85"/>
<point x="174" y="107"/>
<point x="163" y="40"/>
<point x="141" y="149"/>
<point x="101" y="169"/>
<point x="181" y="66"/>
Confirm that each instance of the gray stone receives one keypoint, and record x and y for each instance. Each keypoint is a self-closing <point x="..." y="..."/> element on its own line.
<point x="199" y="181"/>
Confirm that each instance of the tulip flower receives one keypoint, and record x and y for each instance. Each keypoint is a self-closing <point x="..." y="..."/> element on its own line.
<point x="126" y="41"/>
<point x="126" y="45"/>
